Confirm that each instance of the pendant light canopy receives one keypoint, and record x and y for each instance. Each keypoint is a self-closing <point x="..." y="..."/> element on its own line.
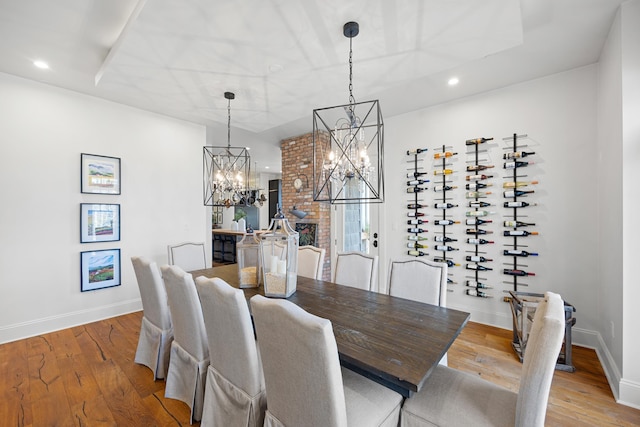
<point x="348" y="143"/>
<point x="226" y="170"/>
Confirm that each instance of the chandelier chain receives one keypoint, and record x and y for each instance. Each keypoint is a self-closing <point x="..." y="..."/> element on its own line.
<point x="229" y="123"/>
<point x="352" y="100"/>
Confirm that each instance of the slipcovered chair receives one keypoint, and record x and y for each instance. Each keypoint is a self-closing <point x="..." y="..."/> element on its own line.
<point x="419" y="280"/>
<point x="454" y="398"/>
<point x="189" y="350"/>
<point x="234" y="393"/>
<point x="156" y="332"/>
<point x="357" y="270"/>
<point x="188" y="256"/>
<point x="305" y="384"/>
<point x="310" y="261"/>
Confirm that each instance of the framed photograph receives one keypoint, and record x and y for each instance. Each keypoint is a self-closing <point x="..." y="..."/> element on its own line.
<point x="99" y="222"/>
<point x="99" y="269"/>
<point x="99" y="174"/>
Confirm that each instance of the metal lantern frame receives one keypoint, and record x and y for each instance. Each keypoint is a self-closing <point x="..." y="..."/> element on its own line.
<point x="226" y="170"/>
<point x="248" y="260"/>
<point x="279" y="257"/>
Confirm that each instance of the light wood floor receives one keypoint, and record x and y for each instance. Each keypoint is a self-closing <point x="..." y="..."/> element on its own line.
<point x="85" y="376"/>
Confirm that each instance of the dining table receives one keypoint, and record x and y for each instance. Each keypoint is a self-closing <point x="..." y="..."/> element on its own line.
<point x="394" y="341"/>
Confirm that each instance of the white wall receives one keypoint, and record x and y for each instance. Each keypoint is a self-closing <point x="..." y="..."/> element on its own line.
<point x="559" y="115"/>
<point x="43" y="131"/>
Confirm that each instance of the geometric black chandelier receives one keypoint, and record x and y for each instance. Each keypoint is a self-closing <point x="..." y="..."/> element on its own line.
<point x="348" y="147"/>
<point x="226" y="170"/>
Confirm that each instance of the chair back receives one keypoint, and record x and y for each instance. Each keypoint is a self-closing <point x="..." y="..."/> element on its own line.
<point x="152" y="292"/>
<point x="301" y="367"/>
<point x="357" y="270"/>
<point x="419" y="280"/>
<point x="310" y="261"/>
<point x="543" y="347"/>
<point x="232" y="346"/>
<point x="186" y="311"/>
<point x="188" y="256"/>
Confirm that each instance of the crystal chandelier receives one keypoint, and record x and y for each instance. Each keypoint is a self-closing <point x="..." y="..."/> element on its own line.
<point x="348" y="147"/>
<point x="226" y="170"/>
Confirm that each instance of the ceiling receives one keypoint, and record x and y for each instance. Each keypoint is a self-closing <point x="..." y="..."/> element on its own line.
<point x="283" y="58"/>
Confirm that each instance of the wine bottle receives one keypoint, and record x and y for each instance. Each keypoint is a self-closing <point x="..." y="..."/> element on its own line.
<point x="478" y="177"/>
<point x="443" y="155"/>
<point x="518" y="204"/>
<point x="479" y="204"/>
<point x="416" y="151"/>
<point x="473" y="168"/>
<point x="476" y="194"/>
<point x="514" y="165"/>
<point x="477" y="293"/>
<point x="516" y="252"/>
<point x="415" y="206"/>
<point x="417" y="181"/>
<point x="517" y="224"/>
<point x="443" y="172"/>
<point x="416" y="230"/>
<point x="444" y="206"/>
<point x="477" y="186"/>
<point x="416" y="174"/>
<point x="517" y="184"/>
<point x="416" y="253"/>
<point x="478" y="267"/>
<point x="444" y="187"/>
<point x="477" y="258"/>
<point x="415" y="189"/>
<point x="475" y="241"/>
<point x="449" y="262"/>
<point x="477" y="221"/>
<point x="474" y="284"/>
<point x="517" y="154"/>
<point x="446" y="248"/>
<point x="476" y="231"/>
<point x="415" y="214"/>
<point x="516" y="193"/>
<point x="415" y="221"/>
<point x="416" y="246"/>
<point x="445" y="222"/>
<point x="440" y="238"/>
<point x="522" y="233"/>
<point x="479" y="213"/>
<point x="416" y="238"/>
<point x="477" y="141"/>
<point x="515" y="272"/>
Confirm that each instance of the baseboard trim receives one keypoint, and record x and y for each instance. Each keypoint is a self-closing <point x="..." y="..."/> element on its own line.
<point x="18" y="331"/>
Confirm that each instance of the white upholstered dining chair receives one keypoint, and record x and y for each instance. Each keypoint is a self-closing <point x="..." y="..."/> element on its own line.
<point x="305" y="384"/>
<point x="234" y="391"/>
<point x="156" y="331"/>
<point x="454" y="398"/>
<point x="357" y="269"/>
<point x="419" y="280"/>
<point x="310" y="261"/>
<point x="188" y="256"/>
<point x="189" y="350"/>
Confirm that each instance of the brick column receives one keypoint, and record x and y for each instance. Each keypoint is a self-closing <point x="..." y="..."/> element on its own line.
<point x="297" y="160"/>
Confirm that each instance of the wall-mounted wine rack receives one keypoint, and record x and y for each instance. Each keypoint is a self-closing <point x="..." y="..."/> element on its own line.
<point x="416" y="186"/>
<point x="476" y="192"/>
<point x="516" y="188"/>
<point x="443" y="187"/>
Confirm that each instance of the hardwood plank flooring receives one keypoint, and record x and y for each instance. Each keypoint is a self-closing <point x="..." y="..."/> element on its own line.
<point x="86" y="376"/>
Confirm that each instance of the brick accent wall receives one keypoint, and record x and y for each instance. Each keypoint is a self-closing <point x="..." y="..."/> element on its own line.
<point x="297" y="159"/>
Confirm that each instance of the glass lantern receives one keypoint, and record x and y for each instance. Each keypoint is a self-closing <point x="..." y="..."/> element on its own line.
<point x="279" y="257"/>
<point x="248" y="259"/>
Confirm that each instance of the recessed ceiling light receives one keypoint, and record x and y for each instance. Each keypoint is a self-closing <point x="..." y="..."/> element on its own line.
<point x="453" y="81"/>
<point x="266" y="167"/>
<point x="41" y="64"/>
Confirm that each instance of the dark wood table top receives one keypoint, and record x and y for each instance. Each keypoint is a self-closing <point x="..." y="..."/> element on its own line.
<point x="395" y="341"/>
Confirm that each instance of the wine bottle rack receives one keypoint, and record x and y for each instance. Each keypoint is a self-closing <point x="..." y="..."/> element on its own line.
<point x="416" y="186"/>
<point x="478" y="176"/>
<point x="443" y="187"/>
<point x="516" y="196"/>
